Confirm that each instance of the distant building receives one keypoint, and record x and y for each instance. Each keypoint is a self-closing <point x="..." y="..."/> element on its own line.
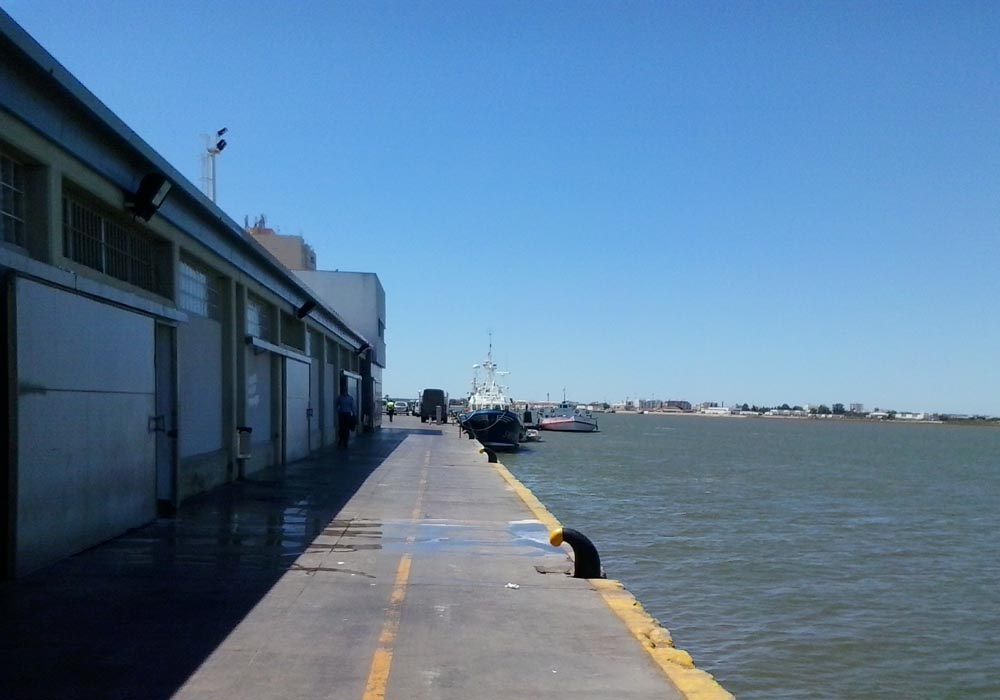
<point x="715" y="410"/>
<point x="291" y="251"/>
<point x="788" y="412"/>
<point x="357" y="296"/>
<point x="679" y="405"/>
<point x="359" y="299"/>
<point x="857" y="408"/>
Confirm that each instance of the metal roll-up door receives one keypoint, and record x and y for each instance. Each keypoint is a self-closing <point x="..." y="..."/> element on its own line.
<point x="85" y="404"/>
<point x="296" y="409"/>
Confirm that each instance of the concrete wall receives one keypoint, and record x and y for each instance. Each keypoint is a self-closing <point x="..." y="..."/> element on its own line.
<point x="86" y="466"/>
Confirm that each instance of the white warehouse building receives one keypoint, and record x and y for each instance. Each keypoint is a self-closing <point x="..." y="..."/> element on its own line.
<point x="152" y="350"/>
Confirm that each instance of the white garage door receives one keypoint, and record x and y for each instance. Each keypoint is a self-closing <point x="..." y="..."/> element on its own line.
<point x="296" y="409"/>
<point x="86" y="460"/>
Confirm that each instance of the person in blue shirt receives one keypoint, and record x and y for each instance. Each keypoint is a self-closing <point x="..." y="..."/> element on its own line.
<point x="345" y="418"/>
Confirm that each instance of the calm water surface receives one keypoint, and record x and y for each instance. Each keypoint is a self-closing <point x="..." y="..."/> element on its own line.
<point x="797" y="559"/>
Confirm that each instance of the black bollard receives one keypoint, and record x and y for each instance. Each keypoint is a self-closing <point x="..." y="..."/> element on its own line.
<point x="587" y="562"/>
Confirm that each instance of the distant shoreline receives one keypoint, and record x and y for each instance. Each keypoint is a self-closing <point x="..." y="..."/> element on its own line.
<point x="963" y="422"/>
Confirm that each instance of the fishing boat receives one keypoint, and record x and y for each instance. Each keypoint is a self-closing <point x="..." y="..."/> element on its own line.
<point x="491" y="416"/>
<point x="568" y="417"/>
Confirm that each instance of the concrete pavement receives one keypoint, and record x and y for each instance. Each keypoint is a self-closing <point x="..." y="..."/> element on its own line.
<point x="406" y="567"/>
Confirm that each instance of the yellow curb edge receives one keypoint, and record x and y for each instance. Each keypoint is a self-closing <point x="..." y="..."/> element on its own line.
<point x="676" y="664"/>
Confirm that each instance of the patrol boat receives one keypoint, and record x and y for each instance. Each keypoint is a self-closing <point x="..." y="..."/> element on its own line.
<point x="490" y="416"/>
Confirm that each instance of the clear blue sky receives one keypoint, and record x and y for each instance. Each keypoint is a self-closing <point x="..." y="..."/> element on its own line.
<point x="725" y="201"/>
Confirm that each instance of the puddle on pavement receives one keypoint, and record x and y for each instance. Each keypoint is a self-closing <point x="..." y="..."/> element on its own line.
<point x="440" y="535"/>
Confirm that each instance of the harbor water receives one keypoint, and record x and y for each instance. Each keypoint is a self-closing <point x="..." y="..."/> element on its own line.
<point x="797" y="559"/>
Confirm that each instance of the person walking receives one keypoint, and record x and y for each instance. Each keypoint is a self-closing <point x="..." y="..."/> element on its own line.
<point x="390" y="408"/>
<point x="345" y="418"/>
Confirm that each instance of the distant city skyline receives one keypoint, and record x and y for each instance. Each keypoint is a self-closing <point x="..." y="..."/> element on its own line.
<point x="760" y="202"/>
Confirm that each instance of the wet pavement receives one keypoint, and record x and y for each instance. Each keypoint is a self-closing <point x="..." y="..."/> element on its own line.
<point x="403" y="567"/>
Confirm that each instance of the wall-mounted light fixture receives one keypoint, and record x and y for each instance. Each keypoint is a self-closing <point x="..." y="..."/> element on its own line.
<point x="144" y="202"/>
<point x="304" y="310"/>
<point x="363" y="349"/>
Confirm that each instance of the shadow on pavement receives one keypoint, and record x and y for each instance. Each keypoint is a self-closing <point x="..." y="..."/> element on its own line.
<point x="136" y="616"/>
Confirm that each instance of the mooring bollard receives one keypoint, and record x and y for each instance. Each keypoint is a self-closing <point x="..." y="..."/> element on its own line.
<point x="587" y="562"/>
<point x="490" y="454"/>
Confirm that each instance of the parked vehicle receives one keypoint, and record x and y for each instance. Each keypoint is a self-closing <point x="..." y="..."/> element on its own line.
<point x="431" y="400"/>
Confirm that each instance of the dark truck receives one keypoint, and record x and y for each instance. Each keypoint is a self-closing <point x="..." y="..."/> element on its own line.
<point x="430" y="401"/>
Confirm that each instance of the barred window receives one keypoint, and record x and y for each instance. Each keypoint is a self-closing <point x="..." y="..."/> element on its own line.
<point x="94" y="239"/>
<point x="259" y="318"/>
<point x="11" y="200"/>
<point x="293" y="332"/>
<point x="199" y="291"/>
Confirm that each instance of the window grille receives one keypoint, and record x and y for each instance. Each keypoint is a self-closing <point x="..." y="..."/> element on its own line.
<point x="293" y="332"/>
<point x="11" y="200"/>
<point x="93" y="239"/>
<point x="258" y="318"/>
<point x="199" y="291"/>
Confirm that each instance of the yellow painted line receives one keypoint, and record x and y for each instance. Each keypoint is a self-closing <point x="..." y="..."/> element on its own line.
<point x="378" y="674"/>
<point x="421" y="490"/>
<point x="676" y="664"/>
<point x="536" y="507"/>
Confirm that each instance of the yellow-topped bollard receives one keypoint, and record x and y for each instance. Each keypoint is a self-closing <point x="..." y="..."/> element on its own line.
<point x="586" y="560"/>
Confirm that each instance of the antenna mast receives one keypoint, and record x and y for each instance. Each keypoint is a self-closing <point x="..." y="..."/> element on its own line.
<point x="208" y="161"/>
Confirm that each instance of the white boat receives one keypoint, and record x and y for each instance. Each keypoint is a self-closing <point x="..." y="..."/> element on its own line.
<point x="568" y="417"/>
<point x="531" y="435"/>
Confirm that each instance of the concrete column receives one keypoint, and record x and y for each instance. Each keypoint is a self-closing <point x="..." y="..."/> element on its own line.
<point x="240" y="373"/>
<point x="277" y="393"/>
<point x="44" y="237"/>
<point x="227" y="291"/>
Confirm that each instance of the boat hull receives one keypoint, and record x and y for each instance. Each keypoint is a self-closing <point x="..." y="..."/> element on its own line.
<point x="567" y="425"/>
<point x="496" y="429"/>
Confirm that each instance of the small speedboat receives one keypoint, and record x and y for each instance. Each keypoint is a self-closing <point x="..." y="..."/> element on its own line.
<point x="531" y="435"/>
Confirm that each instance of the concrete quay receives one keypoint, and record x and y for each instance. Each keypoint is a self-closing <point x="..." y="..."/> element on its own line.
<point x="405" y="567"/>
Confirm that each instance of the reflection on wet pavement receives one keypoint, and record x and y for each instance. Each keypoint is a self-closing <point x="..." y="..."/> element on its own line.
<point x="134" y="617"/>
<point x="468" y="537"/>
